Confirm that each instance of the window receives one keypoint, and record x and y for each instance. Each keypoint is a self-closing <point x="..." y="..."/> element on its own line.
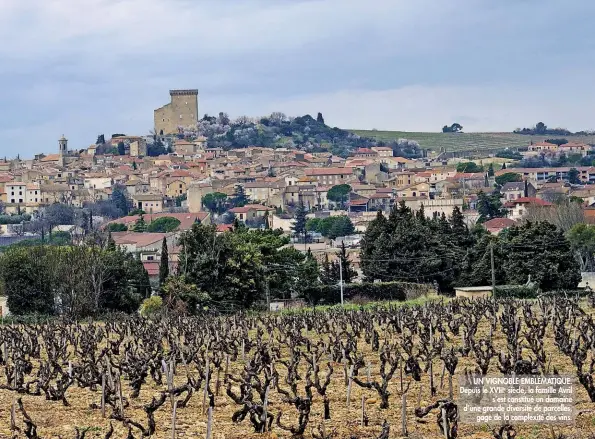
<point x="146" y="204"/>
<point x="180" y="186"/>
<point x="36" y="200"/>
<point x="35" y="192"/>
<point x="20" y="200"/>
<point x="150" y="258"/>
<point x="12" y="200"/>
<point x="20" y="192"/>
<point x="12" y="193"/>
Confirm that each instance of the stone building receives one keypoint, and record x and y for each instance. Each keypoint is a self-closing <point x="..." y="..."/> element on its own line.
<point x="182" y="111"/>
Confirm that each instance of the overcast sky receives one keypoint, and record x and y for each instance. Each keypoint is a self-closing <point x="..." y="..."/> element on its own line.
<point x="86" y="67"/>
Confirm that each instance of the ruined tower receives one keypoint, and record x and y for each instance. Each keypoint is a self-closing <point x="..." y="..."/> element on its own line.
<point x="182" y="111"/>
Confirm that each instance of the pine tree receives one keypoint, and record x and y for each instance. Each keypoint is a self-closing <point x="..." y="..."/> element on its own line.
<point x="164" y="263"/>
<point x="491" y="170"/>
<point x="134" y="166"/>
<point x="503" y="165"/>
<point x="299" y="226"/>
<point x="140" y="225"/>
<point x="320" y="119"/>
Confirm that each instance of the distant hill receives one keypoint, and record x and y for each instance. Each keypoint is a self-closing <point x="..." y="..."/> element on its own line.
<point x="467" y="141"/>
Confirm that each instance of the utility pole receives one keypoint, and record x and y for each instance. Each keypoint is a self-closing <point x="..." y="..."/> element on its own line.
<point x="341" y="278"/>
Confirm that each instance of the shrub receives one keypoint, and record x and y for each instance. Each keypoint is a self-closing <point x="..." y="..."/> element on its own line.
<point x="151" y="306"/>
<point x="331" y="294"/>
<point x="164" y="224"/>
<point x="117" y="227"/>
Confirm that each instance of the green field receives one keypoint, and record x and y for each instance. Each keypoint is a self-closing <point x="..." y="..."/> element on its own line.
<point x="466" y="141"/>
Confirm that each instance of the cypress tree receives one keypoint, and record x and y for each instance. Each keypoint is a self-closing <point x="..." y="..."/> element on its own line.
<point x="164" y="263"/>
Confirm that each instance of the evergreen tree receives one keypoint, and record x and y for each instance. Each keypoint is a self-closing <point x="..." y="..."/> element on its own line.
<point x="489" y="206"/>
<point x="120" y="200"/>
<point x="327" y="275"/>
<point x="239" y="197"/>
<point x="111" y="244"/>
<point x="140" y="224"/>
<point x="320" y="119"/>
<point x="503" y="165"/>
<point x="540" y="250"/>
<point x="308" y="272"/>
<point x="345" y="266"/>
<point x="163" y="263"/>
<point x="299" y="226"/>
<point x="134" y="166"/>
<point x="491" y="170"/>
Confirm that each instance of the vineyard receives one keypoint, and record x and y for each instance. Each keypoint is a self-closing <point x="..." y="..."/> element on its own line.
<point x="478" y="142"/>
<point x="376" y="372"/>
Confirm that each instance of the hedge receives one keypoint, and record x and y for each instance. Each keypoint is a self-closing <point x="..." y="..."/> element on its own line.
<point x="331" y="294"/>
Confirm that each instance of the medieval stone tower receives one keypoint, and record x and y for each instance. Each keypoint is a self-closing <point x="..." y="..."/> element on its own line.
<point x="63" y="146"/>
<point x="182" y="111"/>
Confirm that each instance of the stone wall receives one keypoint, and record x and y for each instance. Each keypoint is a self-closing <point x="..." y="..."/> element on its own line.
<point x="181" y="111"/>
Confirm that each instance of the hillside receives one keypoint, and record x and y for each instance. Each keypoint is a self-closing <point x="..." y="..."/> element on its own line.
<point x="465" y="141"/>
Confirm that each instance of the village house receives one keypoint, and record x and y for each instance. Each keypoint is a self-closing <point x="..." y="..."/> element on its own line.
<point x="252" y="213"/>
<point x="331" y="176"/>
<point x="514" y="190"/>
<point x="517" y="209"/>
<point x="150" y="203"/>
<point x="496" y="225"/>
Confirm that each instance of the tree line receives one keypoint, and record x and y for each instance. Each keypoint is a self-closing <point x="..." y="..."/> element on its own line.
<point x="407" y="246"/>
<point x="79" y="281"/>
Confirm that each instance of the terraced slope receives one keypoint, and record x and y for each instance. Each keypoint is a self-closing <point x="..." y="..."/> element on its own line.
<point x="465" y="141"/>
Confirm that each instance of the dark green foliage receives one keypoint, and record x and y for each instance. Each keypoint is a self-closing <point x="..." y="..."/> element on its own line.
<point x="508" y="154"/>
<point x="491" y="170"/>
<point x="164" y="224"/>
<point x="339" y="194"/>
<point x="299" y="225"/>
<point x="539" y="250"/>
<point x="469" y="167"/>
<point x="215" y="202"/>
<point x="557" y="141"/>
<point x="508" y="177"/>
<point x="489" y="206"/>
<point x="239" y="197"/>
<point x="156" y="148"/>
<point x="140" y="225"/>
<point x="26" y="278"/>
<point x="14" y="219"/>
<point x="120" y="199"/>
<point x="331" y="294"/>
<point x="74" y="280"/>
<point x="163" y="263"/>
<point x="454" y="128"/>
<point x="348" y="273"/>
<point x="541" y="129"/>
<point x="100" y="139"/>
<point x="121" y="148"/>
<point x="234" y="268"/>
<point x="410" y="247"/>
<point x="332" y="226"/>
<point x="573" y="176"/>
<point x="117" y="227"/>
<point x="59" y="214"/>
